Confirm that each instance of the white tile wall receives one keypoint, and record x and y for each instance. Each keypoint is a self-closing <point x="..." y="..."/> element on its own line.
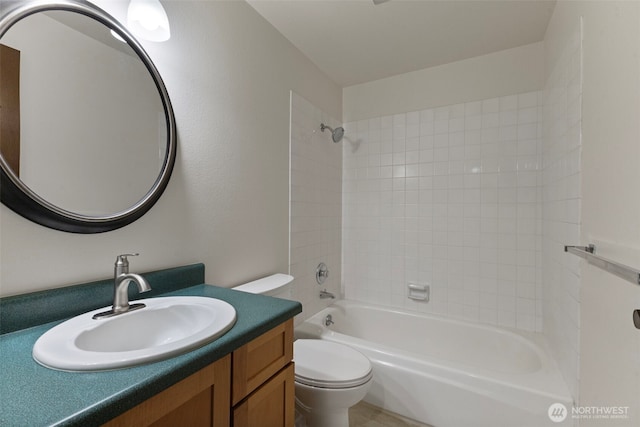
<point x="561" y="214"/>
<point x="315" y="205"/>
<point x="448" y="197"/>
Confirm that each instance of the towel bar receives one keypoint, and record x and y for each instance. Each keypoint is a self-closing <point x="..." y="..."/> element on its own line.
<point x="613" y="267"/>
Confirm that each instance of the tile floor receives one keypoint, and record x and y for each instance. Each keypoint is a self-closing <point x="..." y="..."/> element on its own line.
<point x="366" y="415"/>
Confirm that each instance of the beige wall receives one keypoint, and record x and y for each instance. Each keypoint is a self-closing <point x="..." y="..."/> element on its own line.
<point x="507" y="72"/>
<point x="229" y="74"/>
<point x="609" y="366"/>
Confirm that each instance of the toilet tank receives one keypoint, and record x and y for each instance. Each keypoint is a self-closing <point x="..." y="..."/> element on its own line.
<point x="276" y="285"/>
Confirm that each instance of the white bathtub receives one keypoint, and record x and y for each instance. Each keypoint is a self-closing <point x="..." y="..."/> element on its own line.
<point x="445" y="372"/>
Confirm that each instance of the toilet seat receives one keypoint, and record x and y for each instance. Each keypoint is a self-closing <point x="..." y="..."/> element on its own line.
<point x="326" y="364"/>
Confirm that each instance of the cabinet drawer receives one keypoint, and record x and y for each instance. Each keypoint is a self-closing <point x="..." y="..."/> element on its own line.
<point x="255" y="362"/>
<point x="271" y="405"/>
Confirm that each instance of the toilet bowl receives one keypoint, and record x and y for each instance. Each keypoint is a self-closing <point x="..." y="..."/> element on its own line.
<point x="329" y="379"/>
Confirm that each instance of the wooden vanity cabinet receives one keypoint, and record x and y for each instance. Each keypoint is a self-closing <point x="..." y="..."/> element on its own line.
<point x="253" y="386"/>
<point x="263" y="380"/>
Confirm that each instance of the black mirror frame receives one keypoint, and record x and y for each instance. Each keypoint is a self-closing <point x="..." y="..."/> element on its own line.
<point x="18" y="197"/>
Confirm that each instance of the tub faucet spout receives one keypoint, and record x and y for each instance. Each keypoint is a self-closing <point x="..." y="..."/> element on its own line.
<point x="324" y="294"/>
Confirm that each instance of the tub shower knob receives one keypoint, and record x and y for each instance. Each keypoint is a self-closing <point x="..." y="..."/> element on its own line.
<point x="322" y="272"/>
<point x="328" y="320"/>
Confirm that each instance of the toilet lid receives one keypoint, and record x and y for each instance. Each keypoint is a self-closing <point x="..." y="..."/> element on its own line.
<point x="327" y="364"/>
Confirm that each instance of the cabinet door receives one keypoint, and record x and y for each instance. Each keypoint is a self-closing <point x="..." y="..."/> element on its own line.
<point x="271" y="405"/>
<point x="255" y="362"/>
<point x="200" y="400"/>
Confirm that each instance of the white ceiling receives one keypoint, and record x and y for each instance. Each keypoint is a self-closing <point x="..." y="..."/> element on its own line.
<point x="355" y="41"/>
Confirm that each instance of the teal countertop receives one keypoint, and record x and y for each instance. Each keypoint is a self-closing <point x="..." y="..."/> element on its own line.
<point x="32" y="395"/>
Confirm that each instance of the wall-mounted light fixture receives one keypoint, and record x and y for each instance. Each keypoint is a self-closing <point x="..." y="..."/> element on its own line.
<point x="148" y="20"/>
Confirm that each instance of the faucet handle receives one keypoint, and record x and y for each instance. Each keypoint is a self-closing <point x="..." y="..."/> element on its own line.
<point x="122" y="264"/>
<point x="122" y="258"/>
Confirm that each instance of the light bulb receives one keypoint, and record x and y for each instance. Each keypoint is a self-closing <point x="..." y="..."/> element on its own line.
<point x="147" y="19"/>
<point x="149" y="23"/>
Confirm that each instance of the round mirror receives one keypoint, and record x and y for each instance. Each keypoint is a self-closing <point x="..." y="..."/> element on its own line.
<point x="87" y="133"/>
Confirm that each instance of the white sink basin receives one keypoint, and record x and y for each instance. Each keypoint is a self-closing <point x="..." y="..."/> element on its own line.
<point x="164" y="328"/>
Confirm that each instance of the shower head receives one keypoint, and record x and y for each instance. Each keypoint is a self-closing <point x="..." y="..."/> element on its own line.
<point x="336" y="134"/>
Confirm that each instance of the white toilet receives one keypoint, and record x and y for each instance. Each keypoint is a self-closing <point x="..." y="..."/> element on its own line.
<point x="329" y="377"/>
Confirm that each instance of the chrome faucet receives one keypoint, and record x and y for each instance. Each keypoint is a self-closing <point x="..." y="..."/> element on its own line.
<point x="324" y="294"/>
<point x="328" y="320"/>
<point x="122" y="279"/>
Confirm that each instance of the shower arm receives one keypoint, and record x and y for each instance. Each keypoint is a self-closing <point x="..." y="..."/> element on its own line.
<point x="323" y="127"/>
